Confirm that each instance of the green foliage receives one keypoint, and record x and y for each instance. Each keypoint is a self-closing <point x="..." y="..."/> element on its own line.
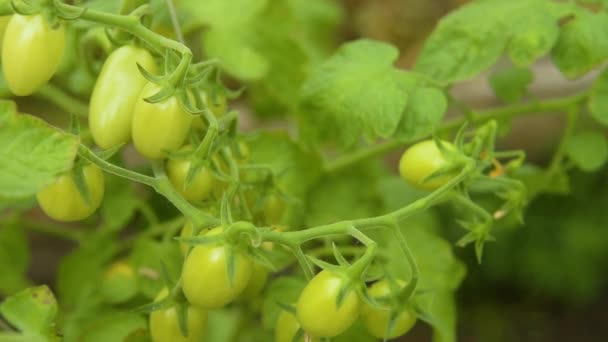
<point x="598" y="101"/>
<point x="14" y="258"/>
<point x="588" y="150"/>
<point x="32" y="312"/>
<point x="511" y="85"/>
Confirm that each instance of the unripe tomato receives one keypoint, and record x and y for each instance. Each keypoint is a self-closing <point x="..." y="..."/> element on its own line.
<point x="274" y="209"/>
<point x="119" y="282"/>
<point x="286" y="328"/>
<point x="420" y="161"/>
<point x="159" y="127"/>
<point x="31" y="52"/>
<point x="376" y="321"/>
<point x="205" y="279"/>
<point x="164" y="325"/>
<point x="317" y="309"/>
<point x="201" y="186"/>
<point x="115" y="94"/>
<point x="62" y="201"/>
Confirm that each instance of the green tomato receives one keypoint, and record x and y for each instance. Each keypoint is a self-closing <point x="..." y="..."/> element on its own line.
<point x="31" y="52"/>
<point x="119" y="282"/>
<point x="201" y="186"/>
<point x="159" y="127"/>
<point x="317" y="309"/>
<point x="115" y="94"/>
<point x="164" y="325"/>
<point x="205" y="278"/>
<point x="62" y="201"/>
<point x="274" y="209"/>
<point x="376" y="321"/>
<point x="286" y="328"/>
<point x="422" y="160"/>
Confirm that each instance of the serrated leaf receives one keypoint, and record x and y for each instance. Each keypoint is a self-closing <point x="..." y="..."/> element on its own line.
<point x="472" y="38"/>
<point x="32" y="310"/>
<point x="32" y="153"/>
<point x="425" y="109"/>
<point x="510" y="85"/>
<point x="582" y="44"/>
<point x="588" y="150"/>
<point x="598" y="99"/>
<point x="358" y="90"/>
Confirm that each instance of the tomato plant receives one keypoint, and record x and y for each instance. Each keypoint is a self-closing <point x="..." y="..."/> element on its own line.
<point x="242" y="158"/>
<point x="31" y="52"/>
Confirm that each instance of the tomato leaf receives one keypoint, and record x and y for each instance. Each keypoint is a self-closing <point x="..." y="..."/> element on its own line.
<point x="32" y="310"/>
<point x="32" y="153"/>
<point x="112" y="326"/>
<point x="510" y="85"/>
<point x="472" y="38"/>
<point x="588" y="150"/>
<point x="598" y="99"/>
<point x="582" y="44"/>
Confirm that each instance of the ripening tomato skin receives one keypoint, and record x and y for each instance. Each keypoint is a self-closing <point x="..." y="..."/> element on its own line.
<point x="201" y="186"/>
<point x="286" y="328"/>
<point x="164" y="325"/>
<point x="376" y="321"/>
<point x="316" y="307"/>
<point x="159" y="127"/>
<point x="31" y="53"/>
<point x="205" y="274"/>
<point x="420" y="161"/>
<point x="115" y="94"/>
<point x="62" y="201"/>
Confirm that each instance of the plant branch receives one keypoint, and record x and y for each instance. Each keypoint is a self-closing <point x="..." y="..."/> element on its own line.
<point x="56" y="95"/>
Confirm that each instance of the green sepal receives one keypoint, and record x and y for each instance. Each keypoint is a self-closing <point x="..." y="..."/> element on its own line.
<point x="338" y="255"/>
<point x="322" y="264"/>
<point x="164" y="273"/>
<point x="81" y="184"/>
<point x="148" y="76"/>
<point x="156" y="305"/>
<point x="182" y="317"/>
<point x="230" y="264"/>
<point x="287" y="307"/>
<point x="225" y="212"/>
<point x="261" y="258"/>
<point x="298" y="336"/>
<point x="163" y="94"/>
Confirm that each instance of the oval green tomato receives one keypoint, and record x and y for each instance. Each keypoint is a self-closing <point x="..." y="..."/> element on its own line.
<point x="159" y="127"/>
<point x="116" y="91"/>
<point x="201" y="186"/>
<point x="205" y="280"/>
<point x="62" y="201"/>
<point x="3" y="23"/>
<point x="119" y="282"/>
<point x="376" y="321"/>
<point x="420" y="161"/>
<point x="287" y="327"/>
<point x="317" y="308"/>
<point x="31" y="52"/>
<point x="164" y="325"/>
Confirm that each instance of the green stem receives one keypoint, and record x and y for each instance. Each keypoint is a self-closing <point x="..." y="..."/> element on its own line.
<point x="55" y="95"/>
<point x="89" y="155"/>
<point x="511" y="111"/>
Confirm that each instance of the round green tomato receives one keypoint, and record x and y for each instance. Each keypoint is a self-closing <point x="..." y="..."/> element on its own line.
<point x="286" y="328"/>
<point x="205" y="280"/>
<point x="164" y="325"/>
<point x="420" y="161"/>
<point x="274" y="209"/>
<point x="317" y="309"/>
<point x="376" y="321"/>
<point x="115" y="94"/>
<point x="217" y="105"/>
<point x="31" y="52"/>
<point x="201" y="186"/>
<point x="62" y="201"/>
<point x="256" y="283"/>
<point x="3" y="23"/>
<point x="119" y="282"/>
<point x="159" y="127"/>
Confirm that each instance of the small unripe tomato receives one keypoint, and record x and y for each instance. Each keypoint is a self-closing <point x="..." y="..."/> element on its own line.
<point x="201" y="186"/>
<point x="62" y="201"/>
<point x="164" y="325"/>
<point x="115" y="94"/>
<point x="422" y="160"/>
<point x="286" y="328"/>
<point x="159" y="127"/>
<point x="317" y="308"/>
<point x="31" y="52"/>
<point x="205" y="280"/>
<point x="3" y="23"/>
<point x="376" y="321"/>
<point x="119" y="282"/>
